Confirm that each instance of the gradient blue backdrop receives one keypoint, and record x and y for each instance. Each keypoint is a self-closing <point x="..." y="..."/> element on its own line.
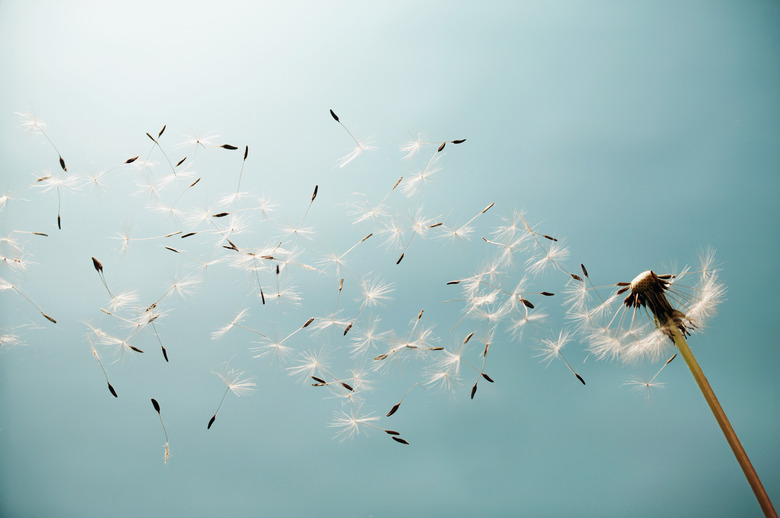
<point x="640" y="131"/>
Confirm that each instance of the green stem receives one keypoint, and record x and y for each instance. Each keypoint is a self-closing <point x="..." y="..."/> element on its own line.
<point x="723" y="421"/>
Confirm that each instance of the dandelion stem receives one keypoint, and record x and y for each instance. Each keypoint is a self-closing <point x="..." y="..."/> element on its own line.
<point x="723" y="421"/>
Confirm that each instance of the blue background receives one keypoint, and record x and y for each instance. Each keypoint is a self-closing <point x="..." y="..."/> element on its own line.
<point x="638" y="131"/>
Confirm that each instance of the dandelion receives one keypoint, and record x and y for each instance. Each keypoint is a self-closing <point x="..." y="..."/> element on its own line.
<point x="658" y="307"/>
<point x="236" y="322"/>
<point x="551" y="349"/>
<point x="105" y="374"/>
<point x="236" y="383"/>
<point x="156" y="406"/>
<point x="374" y="292"/>
<point x="5" y="285"/>
<point x="278" y="350"/>
<point x="351" y="422"/>
<point x="34" y="126"/>
<point x="648" y="385"/>
<point x="359" y="145"/>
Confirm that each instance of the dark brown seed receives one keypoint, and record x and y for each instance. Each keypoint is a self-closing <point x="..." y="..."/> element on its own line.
<point x="156" y="405"/>
<point x="180" y="162"/>
<point x="623" y="284"/>
<point x="466" y="340"/>
<point x="62" y="165"/>
<point x="436" y="225"/>
<point x="211" y="421"/>
<point x="59" y="222"/>
<point x="371" y="234"/>
<point x="49" y="318"/>
<point x="622" y="291"/>
<point x="316" y="187"/>
<point x="336" y="117"/>
<point x="262" y="296"/>
<point x="319" y="380"/>
<point x="584" y="270"/>
<point x="547" y="294"/>
<point x="527" y="304"/>
<point x="220" y="215"/>
<point x="151" y="137"/>
<point x="193" y="184"/>
<point x="172" y="249"/>
<point x="398" y="439"/>
<point x="666" y="276"/>
<point x="347" y="386"/>
<point x="165" y="354"/>
<point x="459" y="141"/>
<point x="246" y="152"/>
<point x="473" y="390"/>
<point x="188" y="234"/>
<point x="97" y="265"/>
<point x="161" y="131"/>
<point x="441" y="147"/>
<point x="394" y="409"/>
<point x="670" y="359"/>
<point x="548" y="237"/>
<point x="435" y="348"/>
<point x="487" y="377"/>
<point x="40" y="234"/>
<point x="228" y="146"/>
<point x="391" y="432"/>
<point x="111" y="389"/>
<point x="131" y="160"/>
<point x="308" y="322"/>
<point x="453" y="282"/>
<point x="400" y="258"/>
<point x="346" y="330"/>
<point x="579" y="378"/>
<point x="576" y="277"/>
<point x="277" y="269"/>
<point x="136" y="349"/>
<point x="380" y="357"/>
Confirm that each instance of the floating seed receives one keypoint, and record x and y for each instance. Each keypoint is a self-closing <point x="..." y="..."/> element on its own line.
<point x="131" y="160"/>
<point x="180" y="162"/>
<point x="211" y="421"/>
<point x="111" y="389"/>
<point x="156" y="405"/>
<point x="488" y="377"/>
<point x="394" y="409"/>
<point x="398" y="439"/>
<point x="97" y="265"/>
<point x="228" y="146"/>
<point x="335" y="117"/>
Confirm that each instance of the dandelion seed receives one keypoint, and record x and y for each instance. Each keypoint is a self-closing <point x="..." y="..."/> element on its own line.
<point x="395" y="407"/>
<point x="359" y="146"/>
<point x="551" y="349"/>
<point x="235" y="383"/>
<point x="97" y="357"/>
<point x="5" y="285"/>
<point x="156" y="406"/>
<point x="35" y="126"/>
